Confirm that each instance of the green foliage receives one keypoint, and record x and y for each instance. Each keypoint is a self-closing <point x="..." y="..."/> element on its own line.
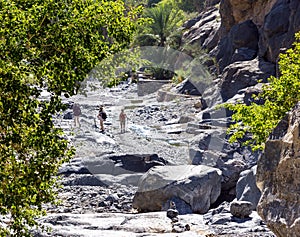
<point x="116" y="68"/>
<point x="53" y="44"/>
<point x="163" y="27"/>
<point x="279" y="96"/>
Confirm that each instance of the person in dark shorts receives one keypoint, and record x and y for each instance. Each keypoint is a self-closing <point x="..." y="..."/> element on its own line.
<point x="102" y="117"/>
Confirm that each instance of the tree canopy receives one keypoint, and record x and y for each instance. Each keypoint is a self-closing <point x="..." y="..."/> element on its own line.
<point x="46" y="44"/>
<point x="279" y="95"/>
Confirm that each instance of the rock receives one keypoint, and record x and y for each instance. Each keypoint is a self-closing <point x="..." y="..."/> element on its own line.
<point x="204" y="30"/>
<point x="244" y="74"/>
<point x="137" y="162"/>
<point x="278" y="172"/>
<point x="277" y="21"/>
<point x="180" y="227"/>
<point x="68" y="115"/>
<point x="236" y="11"/>
<point x="243" y="54"/>
<point x="241" y="209"/>
<point x="241" y="36"/>
<point x="122" y="168"/>
<point x="222" y="222"/>
<point x="172" y="214"/>
<point x="189" y="87"/>
<point x="121" y="225"/>
<point x="246" y="189"/>
<point x="84" y="179"/>
<point x="279" y="28"/>
<point x="75" y="166"/>
<point x="199" y="186"/>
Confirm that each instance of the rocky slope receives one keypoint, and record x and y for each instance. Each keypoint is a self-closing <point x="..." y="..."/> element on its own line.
<point x="246" y="37"/>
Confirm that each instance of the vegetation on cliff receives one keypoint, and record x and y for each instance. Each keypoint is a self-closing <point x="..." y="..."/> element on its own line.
<point x="279" y="95"/>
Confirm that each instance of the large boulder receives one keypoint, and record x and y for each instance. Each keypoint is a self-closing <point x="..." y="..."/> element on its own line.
<point x="278" y="177"/>
<point x="243" y="74"/>
<point x="240" y="43"/>
<point x="195" y="186"/>
<point x="246" y="189"/>
<point x="122" y="168"/>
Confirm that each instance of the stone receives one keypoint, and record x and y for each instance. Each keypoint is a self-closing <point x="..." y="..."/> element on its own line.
<point x="241" y="209"/>
<point x="244" y="74"/>
<point x="199" y="186"/>
<point x="278" y="175"/>
<point x="172" y="213"/>
<point x="246" y="188"/>
<point x="68" y="115"/>
<point x="83" y="180"/>
<point x="203" y="30"/>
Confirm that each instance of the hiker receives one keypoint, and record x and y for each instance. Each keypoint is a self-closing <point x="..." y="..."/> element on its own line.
<point x="76" y="113"/>
<point x="122" y="118"/>
<point x="102" y="117"/>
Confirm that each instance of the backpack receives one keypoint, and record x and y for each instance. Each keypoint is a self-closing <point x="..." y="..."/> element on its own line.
<point x="103" y="115"/>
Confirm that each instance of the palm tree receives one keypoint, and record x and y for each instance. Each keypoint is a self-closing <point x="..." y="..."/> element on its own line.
<point x="165" y="20"/>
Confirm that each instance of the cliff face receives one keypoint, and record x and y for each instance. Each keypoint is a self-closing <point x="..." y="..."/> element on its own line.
<point x="245" y="34"/>
<point x="246" y="38"/>
<point x="275" y="20"/>
<point x="278" y="176"/>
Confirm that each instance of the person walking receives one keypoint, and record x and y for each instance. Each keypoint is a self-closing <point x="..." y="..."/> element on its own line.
<point x="122" y="118"/>
<point x="76" y="113"/>
<point x="102" y="117"/>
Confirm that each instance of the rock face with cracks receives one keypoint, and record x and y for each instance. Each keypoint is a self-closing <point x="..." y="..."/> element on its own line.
<point x="278" y="176"/>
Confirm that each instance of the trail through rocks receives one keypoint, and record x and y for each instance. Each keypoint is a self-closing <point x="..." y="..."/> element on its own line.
<point x="97" y="201"/>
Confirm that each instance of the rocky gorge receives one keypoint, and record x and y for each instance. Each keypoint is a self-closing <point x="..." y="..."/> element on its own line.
<point x="176" y="150"/>
<point x="121" y="184"/>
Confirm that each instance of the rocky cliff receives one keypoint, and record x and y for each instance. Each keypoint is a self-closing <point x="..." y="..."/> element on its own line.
<point x="278" y="176"/>
<point x="246" y="37"/>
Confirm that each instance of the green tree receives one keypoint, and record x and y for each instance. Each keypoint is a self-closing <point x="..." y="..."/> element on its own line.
<point x="164" y="25"/>
<point x="279" y="96"/>
<point x="52" y="44"/>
